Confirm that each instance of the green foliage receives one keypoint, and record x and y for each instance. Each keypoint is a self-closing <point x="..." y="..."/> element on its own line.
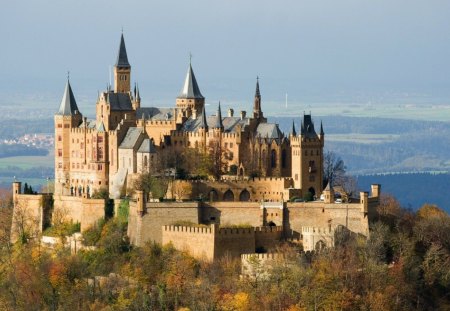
<point x="308" y="197"/>
<point x="123" y="211"/>
<point x="151" y="184"/>
<point x="92" y="234"/>
<point x="233" y="170"/>
<point x="238" y="226"/>
<point x="101" y="193"/>
<point x="62" y="229"/>
<point x="187" y="223"/>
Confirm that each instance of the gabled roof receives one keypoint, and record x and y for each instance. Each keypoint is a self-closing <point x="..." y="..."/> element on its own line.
<point x="154" y="113"/>
<point x="269" y="130"/>
<point x="119" y="101"/>
<point x="122" y="58"/>
<point x="131" y="138"/>
<point x="190" y="88"/>
<point x="147" y="146"/>
<point x="101" y="127"/>
<point x="68" y="105"/>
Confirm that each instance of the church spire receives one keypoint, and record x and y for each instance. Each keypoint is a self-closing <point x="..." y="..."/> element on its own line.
<point x="68" y="104"/>
<point x="257" y="112"/>
<point x="122" y="58"/>
<point x="321" y="129"/>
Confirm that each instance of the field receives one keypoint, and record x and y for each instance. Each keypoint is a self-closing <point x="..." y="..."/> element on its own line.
<point x="26" y="162"/>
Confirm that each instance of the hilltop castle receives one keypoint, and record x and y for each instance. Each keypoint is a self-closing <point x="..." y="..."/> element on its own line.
<point x="261" y="172"/>
<point x="126" y="139"/>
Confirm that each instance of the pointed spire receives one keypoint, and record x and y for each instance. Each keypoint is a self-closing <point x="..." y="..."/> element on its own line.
<point x="68" y="104"/>
<point x="138" y="96"/>
<point x="302" y="128"/>
<point x="293" y="131"/>
<point x="218" y="121"/>
<point x="101" y="127"/>
<point x="190" y="88"/>
<point x="321" y="129"/>
<point x="257" y="92"/>
<point x="203" y="123"/>
<point x="122" y="58"/>
<point x="134" y="90"/>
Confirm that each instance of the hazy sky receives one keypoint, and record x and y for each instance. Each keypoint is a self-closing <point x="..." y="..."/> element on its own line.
<point x="314" y="50"/>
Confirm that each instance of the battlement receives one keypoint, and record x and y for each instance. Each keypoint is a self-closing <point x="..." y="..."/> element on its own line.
<point x="263" y="256"/>
<point x="269" y="229"/>
<point x="81" y="130"/>
<point x="236" y="231"/>
<point x="190" y="229"/>
<point x="317" y="230"/>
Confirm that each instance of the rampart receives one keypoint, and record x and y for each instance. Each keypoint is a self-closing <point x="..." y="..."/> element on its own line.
<point x="213" y="242"/>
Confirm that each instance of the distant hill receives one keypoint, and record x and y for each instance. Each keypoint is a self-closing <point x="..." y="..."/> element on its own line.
<point x="412" y="190"/>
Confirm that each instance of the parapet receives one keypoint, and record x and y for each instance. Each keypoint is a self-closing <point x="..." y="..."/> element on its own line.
<point x="263" y="256"/>
<point x="190" y="229"/>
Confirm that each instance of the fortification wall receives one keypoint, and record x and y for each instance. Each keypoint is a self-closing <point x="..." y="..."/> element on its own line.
<point x="29" y="214"/>
<point x="232" y="213"/>
<point x="268" y="237"/>
<point x="319" y="214"/>
<point x="77" y="209"/>
<point x="234" y="242"/>
<point x="147" y="227"/>
<point x="198" y="241"/>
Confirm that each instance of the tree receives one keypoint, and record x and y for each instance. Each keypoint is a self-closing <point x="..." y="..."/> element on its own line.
<point x="333" y="169"/>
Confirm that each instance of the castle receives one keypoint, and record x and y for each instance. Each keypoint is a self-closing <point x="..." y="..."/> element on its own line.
<point x="259" y="170"/>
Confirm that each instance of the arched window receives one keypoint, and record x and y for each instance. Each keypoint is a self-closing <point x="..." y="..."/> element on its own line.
<point x="145" y="162"/>
<point x="228" y="196"/>
<point x="244" y="196"/>
<point x="213" y="196"/>
<point x="273" y="158"/>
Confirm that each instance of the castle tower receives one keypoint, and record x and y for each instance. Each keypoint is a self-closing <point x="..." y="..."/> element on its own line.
<point x="328" y="194"/>
<point x="218" y="125"/>
<point x="137" y="98"/>
<point x="122" y="70"/>
<point x="203" y="127"/>
<point x="257" y="112"/>
<point x="67" y="117"/>
<point x="190" y="97"/>
<point x="307" y="157"/>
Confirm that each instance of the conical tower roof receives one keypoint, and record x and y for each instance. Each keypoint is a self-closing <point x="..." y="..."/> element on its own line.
<point x="203" y="123"/>
<point x="122" y="58"/>
<point x="293" y="131"/>
<point x="190" y="88"/>
<point x="68" y="104"/>
<point x="218" y="120"/>
<point x="257" y="92"/>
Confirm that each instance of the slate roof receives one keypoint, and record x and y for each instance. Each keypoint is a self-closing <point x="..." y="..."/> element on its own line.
<point x="122" y="58"/>
<point x="269" y="130"/>
<point x="119" y="101"/>
<point x="307" y="129"/>
<point x="89" y="124"/>
<point x="154" y="113"/>
<point x="147" y="146"/>
<point x="190" y="88"/>
<point x="229" y="123"/>
<point x="218" y="119"/>
<point x="131" y="138"/>
<point x="68" y="104"/>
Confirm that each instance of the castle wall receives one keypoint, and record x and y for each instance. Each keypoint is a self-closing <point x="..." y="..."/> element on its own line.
<point x="232" y="213"/>
<point x="268" y="237"/>
<point x="198" y="241"/>
<point x="29" y="214"/>
<point x="233" y="242"/>
<point x="147" y="227"/>
<point x="76" y="209"/>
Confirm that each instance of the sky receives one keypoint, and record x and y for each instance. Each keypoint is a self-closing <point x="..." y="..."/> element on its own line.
<point x="321" y="50"/>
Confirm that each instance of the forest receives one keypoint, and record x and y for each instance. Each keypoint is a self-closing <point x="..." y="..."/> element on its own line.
<point x="403" y="265"/>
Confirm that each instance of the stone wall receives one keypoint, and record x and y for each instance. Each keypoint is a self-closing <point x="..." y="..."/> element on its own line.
<point x="76" y="209"/>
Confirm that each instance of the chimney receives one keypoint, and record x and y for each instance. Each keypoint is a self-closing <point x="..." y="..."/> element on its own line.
<point x="230" y="112"/>
<point x="243" y="114"/>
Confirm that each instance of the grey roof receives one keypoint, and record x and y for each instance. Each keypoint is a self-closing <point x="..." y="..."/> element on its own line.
<point x="293" y="131"/>
<point x="229" y="123"/>
<point x="131" y="138"/>
<point x="68" y="104"/>
<point x="92" y="124"/>
<point x="147" y="146"/>
<point x="122" y="58"/>
<point x="321" y="129"/>
<point x="307" y="129"/>
<point x="203" y="123"/>
<point x="269" y="130"/>
<point x="119" y="101"/>
<point x="328" y="187"/>
<point x="218" y="118"/>
<point x="257" y="92"/>
<point x="190" y="88"/>
<point x="154" y="113"/>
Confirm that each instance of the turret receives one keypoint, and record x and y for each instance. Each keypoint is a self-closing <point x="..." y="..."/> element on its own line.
<point x="218" y="120"/>
<point x="190" y="97"/>
<point x="257" y="111"/>
<point x="122" y="70"/>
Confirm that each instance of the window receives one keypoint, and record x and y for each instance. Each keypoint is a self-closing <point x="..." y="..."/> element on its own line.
<point x="100" y="139"/>
<point x="66" y="126"/>
<point x="59" y="152"/>
<point x="231" y="145"/>
<point x="100" y="167"/>
<point x="296" y="176"/>
<point x="59" y="165"/>
<point x="273" y="158"/>
<point x="59" y="138"/>
<point x="59" y="125"/>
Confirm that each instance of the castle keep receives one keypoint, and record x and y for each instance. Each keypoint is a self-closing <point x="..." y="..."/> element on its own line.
<point x="259" y="170"/>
